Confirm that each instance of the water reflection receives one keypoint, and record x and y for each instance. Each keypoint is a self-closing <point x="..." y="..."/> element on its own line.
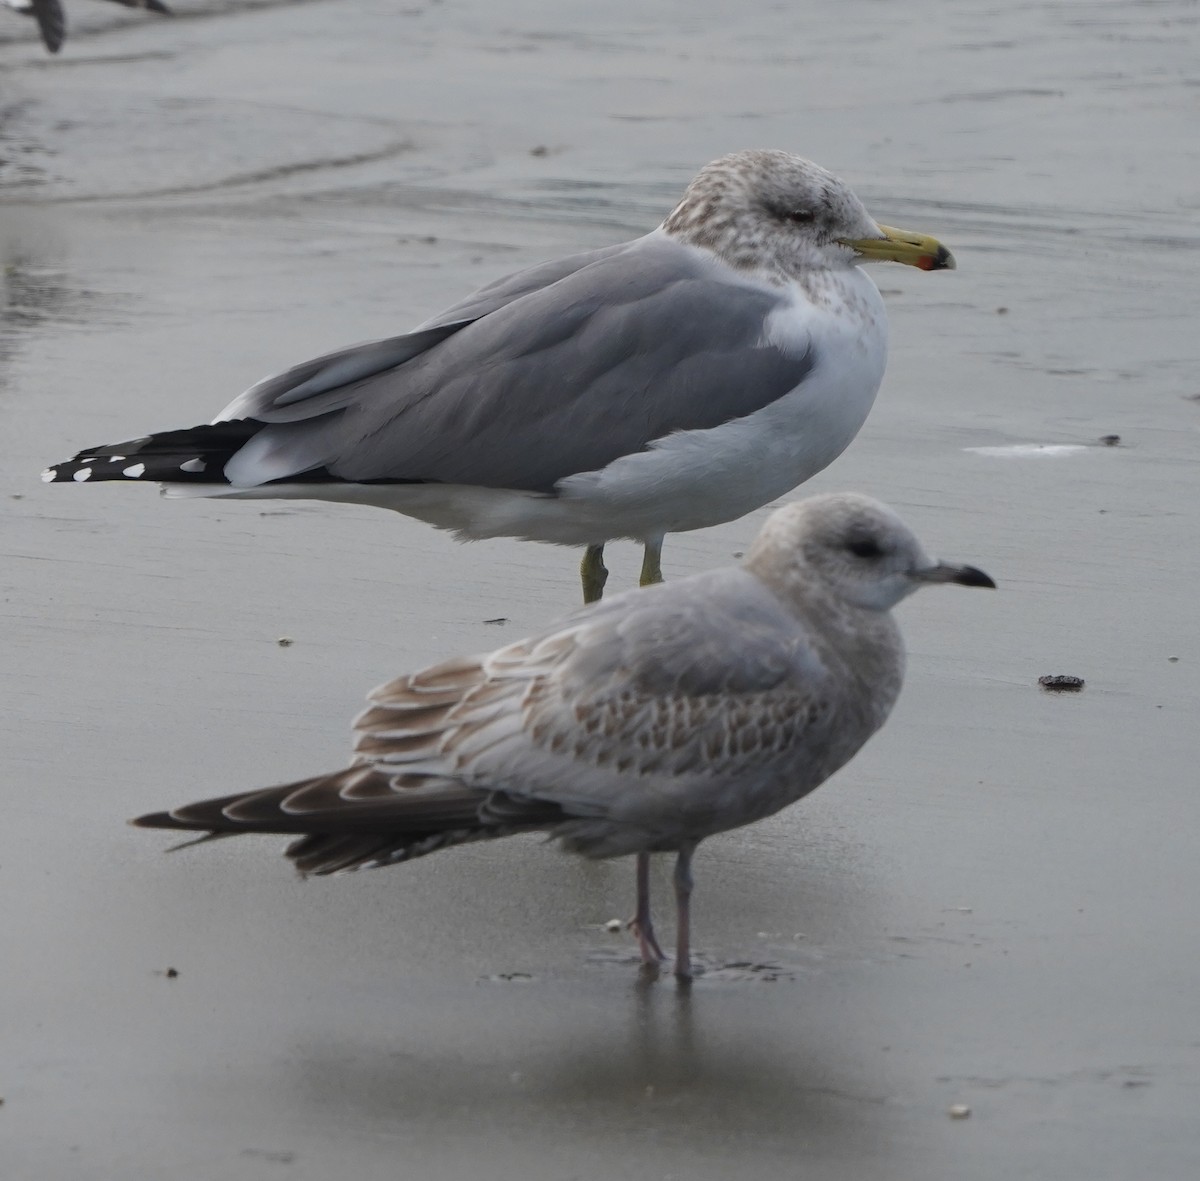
<point x="681" y="1064"/>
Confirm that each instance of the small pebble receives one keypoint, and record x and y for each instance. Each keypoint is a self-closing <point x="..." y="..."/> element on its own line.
<point x="540" y="150"/>
<point x="285" y="641"/>
<point x="171" y="973"/>
<point x="498" y="619"/>
<point x="1061" y="684"/>
<point x="1110" y="440"/>
<point x="1172" y="659"/>
<point x="1002" y="311"/>
<point x="613" y="925"/>
<point x="958" y="1111"/>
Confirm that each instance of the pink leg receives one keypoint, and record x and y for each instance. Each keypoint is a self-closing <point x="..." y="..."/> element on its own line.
<point x="683" y="895"/>
<point x="641" y="924"/>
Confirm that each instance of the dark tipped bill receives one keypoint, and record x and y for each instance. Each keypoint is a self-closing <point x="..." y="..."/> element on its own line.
<point x="914" y="250"/>
<point x="961" y="575"/>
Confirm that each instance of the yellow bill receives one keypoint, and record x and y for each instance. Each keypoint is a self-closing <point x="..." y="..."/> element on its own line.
<point x="914" y="250"/>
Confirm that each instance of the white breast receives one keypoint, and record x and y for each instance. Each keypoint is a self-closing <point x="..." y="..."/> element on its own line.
<point x="693" y="479"/>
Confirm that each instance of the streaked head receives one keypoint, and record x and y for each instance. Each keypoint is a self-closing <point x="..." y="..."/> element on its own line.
<point x="856" y="548"/>
<point x="761" y="207"/>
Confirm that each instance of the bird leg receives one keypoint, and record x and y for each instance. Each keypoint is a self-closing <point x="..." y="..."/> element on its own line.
<point x="683" y="894"/>
<point x="641" y="924"/>
<point x="593" y="573"/>
<point x="651" y="563"/>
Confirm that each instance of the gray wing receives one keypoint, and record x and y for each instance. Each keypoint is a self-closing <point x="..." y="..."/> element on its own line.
<point x="691" y="679"/>
<point x="635" y="343"/>
<point x="327" y="383"/>
<point x="611" y="730"/>
<point x="503" y="291"/>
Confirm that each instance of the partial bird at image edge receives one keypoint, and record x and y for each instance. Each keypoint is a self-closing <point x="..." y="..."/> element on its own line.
<point x="52" y="18"/>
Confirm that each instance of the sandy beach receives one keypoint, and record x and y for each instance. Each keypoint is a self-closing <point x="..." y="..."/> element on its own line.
<point x="992" y="906"/>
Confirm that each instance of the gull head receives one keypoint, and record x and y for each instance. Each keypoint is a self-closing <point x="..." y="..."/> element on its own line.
<point x="851" y="548"/>
<point x="768" y="210"/>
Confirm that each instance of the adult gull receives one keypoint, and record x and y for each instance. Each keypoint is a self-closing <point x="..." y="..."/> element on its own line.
<point x="638" y="725"/>
<point x="673" y="382"/>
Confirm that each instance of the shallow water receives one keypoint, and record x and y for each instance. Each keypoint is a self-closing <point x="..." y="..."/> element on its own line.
<point x="992" y="906"/>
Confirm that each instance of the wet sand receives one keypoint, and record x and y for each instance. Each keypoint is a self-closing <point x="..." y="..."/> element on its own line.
<point x="992" y="906"/>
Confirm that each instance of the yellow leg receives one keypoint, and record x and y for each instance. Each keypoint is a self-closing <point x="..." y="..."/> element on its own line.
<point x="651" y="563"/>
<point x="593" y="573"/>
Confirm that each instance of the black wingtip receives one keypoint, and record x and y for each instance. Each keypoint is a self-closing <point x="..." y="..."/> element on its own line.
<point x="194" y="455"/>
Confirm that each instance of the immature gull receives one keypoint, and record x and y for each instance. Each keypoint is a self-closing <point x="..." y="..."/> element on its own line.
<point x="669" y="383"/>
<point x="642" y="724"/>
<point x="52" y="20"/>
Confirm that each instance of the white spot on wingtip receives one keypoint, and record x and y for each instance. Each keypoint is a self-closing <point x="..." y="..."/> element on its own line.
<point x="134" y="471"/>
<point x="83" y="474"/>
<point x="115" y="458"/>
<point x="193" y="465"/>
<point x="48" y="476"/>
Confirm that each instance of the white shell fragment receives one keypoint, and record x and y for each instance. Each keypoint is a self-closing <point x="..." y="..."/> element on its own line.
<point x="1027" y="450"/>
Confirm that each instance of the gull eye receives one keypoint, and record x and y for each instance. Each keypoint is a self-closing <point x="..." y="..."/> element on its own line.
<point x="800" y="217"/>
<point x="866" y="548"/>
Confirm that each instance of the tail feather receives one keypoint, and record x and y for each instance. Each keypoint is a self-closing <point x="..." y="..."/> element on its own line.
<point x="195" y="455"/>
<point x="360" y="833"/>
<point x="325" y="853"/>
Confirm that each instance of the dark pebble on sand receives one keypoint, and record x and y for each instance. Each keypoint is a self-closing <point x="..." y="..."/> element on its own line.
<point x="1061" y="684"/>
